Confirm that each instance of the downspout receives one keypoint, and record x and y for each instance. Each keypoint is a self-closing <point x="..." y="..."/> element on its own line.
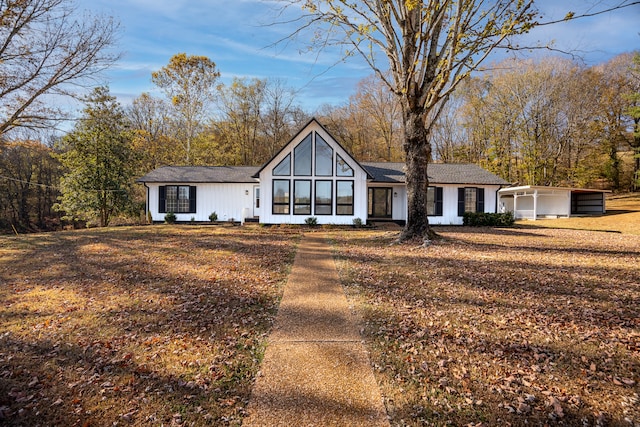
<point x="495" y="209"/>
<point x="146" y="210"/>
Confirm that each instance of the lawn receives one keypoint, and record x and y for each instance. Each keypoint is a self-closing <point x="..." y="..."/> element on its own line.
<point x="136" y="326"/>
<point x="166" y="325"/>
<point x="516" y="326"/>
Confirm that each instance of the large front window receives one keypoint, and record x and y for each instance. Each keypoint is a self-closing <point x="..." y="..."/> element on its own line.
<point x="344" y="198"/>
<point x="314" y="179"/>
<point x="281" y="190"/>
<point x="324" y="197"/>
<point x="302" y="197"/>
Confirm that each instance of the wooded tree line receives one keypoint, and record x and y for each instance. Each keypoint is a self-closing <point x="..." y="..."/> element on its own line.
<point x="546" y="122"/>
<point x="549" y="122"/>
<point x="429" y="49"/>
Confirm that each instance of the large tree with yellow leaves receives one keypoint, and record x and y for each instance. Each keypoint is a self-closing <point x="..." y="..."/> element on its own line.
<point x="429" y="46"/>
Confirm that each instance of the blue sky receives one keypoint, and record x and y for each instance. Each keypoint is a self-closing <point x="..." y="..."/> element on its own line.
<point x="238" y="36"/>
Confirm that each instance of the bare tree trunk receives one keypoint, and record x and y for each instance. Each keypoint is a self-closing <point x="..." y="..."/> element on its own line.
<point x="418" y="153"/>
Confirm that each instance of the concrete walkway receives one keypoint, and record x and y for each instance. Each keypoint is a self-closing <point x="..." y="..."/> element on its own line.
<point x="315" y="371"/>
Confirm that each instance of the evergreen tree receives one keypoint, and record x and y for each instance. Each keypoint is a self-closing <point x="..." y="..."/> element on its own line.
<point x="99" y="162"/>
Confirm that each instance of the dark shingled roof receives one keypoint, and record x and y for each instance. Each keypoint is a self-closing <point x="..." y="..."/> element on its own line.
<point x="197" y="174"/>
<point x="439" y="173"/>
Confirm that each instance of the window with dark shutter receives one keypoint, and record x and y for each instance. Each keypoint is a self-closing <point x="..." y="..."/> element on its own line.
<point x="162" y="199"/>
<point x="192" y="199"/>
<point x="461" y="201"/>
<point x="438" y="201"/>
<point x="470" y="199"/>
<point x="434" y="201"/>
<point x="177" y="199"/>
<point x="479" y="199"/>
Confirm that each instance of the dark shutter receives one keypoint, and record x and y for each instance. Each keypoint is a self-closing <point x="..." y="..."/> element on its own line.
<point x="438" y="201"/>
<point x="479" y="199"/>
<point x="460" y="201"/>
<point x="192" y="199"/>
<point x="162" y="199"/>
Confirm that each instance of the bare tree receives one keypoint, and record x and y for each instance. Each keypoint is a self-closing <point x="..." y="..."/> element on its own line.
<point x="46" y="49"/>
<point x="429" y="48"/>
<point x="150" y="122"/>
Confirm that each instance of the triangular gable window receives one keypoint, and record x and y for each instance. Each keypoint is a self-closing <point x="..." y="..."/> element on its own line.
<point x="342" y="168"/>
<point x="284" y="167"/>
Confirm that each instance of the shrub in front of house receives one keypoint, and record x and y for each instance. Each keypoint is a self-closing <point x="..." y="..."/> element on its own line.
<point x="170" y="218"/>
<point x="312" y="221"/>
<point x="213" y="217"/>
<point x="485" y="219"/>
<point x="357" y="222"/>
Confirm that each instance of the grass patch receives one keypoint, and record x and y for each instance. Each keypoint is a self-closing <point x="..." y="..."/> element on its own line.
<point x="500" y="326"/>
<point x="142" y="326"/>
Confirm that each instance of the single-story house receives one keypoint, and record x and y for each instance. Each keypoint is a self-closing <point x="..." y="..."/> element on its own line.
<point x="314" y="176"/>
<point x="533" y="202"/>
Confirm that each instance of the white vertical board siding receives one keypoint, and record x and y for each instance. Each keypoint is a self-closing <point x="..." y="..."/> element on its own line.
<point x="450" y="202"/>
<point x="556" y="203"/>
<point x="226" y="199"/>
<point x="399" y="203"/>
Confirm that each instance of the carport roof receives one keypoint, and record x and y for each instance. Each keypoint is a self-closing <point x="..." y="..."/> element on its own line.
<point x="544" y="188"/>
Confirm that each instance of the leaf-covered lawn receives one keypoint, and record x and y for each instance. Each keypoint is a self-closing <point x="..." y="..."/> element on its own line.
<point x="500" y="326"/>
<point x="136" y="326"/>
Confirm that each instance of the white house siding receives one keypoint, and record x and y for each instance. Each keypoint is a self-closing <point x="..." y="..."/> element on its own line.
<point x="399" y="204"/>
<point x="228" y="200"/>
<point x="359" y="179"/>
<point x="450" y="203"/>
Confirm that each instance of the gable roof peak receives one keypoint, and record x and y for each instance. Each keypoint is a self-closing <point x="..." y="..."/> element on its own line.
<point x="302" y="131"/>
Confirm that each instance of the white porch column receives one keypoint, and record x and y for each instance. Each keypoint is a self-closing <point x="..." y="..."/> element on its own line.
<point x="535" y="204"/>
<point x="515" y="205"/>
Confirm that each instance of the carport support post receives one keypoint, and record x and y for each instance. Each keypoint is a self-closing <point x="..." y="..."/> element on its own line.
<point x="535" y="204"/>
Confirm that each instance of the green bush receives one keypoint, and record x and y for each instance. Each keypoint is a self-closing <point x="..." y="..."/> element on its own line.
<point x="170" y="218"/>
<point x="312" y="220"/>
<point x="484" y="219"/>
<point x="213" y="217"/>
<point x="357" y="222"/>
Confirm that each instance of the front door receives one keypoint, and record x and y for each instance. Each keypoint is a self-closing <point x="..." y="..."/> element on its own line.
<point x="380" y="202"/>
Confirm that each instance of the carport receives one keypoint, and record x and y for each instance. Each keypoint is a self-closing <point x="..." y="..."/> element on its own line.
<point x="533" y="202"/>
